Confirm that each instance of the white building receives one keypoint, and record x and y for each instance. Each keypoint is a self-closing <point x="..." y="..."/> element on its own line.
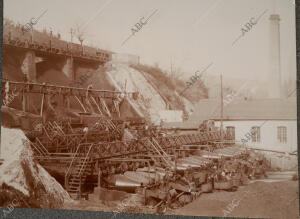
<point x="266" y="125"/>
<point x="269" y="124"/>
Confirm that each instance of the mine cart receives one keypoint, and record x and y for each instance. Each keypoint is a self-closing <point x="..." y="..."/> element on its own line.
<point x="156" y="192"/>
<point x="183" y="186"/>
<point x="223" y="185"/>
<point x="206" y="187"/>
<point x="200" y="177"/>
<point x="237" y="179"/>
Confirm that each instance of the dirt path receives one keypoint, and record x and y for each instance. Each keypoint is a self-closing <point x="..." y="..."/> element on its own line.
<point x="274" y="197"/>
<point x="258" y="199"/>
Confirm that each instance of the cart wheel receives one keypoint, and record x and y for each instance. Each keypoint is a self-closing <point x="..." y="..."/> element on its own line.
<point x="161" y="209"/>
<point x="151" y="201"/>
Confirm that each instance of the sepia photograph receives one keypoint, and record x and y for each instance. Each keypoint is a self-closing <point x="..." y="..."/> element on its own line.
<point x="162" y="107"/>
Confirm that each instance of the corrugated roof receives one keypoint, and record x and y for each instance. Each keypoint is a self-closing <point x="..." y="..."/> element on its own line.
<point x="265" y="109"/>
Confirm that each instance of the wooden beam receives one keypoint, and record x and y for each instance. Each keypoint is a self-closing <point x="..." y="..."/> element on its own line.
<point x="60" y="90"/>
<point x="23" y="101"/>
<point x="89" y="104"/>
<point x="80" y="103"/>
<point x="42" y="105"/>
<point x="117" y="104"/>
<point x="95" y="102"/>
<point x="105" y="107"/>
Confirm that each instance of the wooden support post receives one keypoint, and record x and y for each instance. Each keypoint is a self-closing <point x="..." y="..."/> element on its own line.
<point x="80" y="103"/>
<point x="105" y="107"/>
<point x="64" y="101"/>
<point x="175" y="159"/>
<point x="98" y="172"/>
<point x="66" y="182"/>
<point x="80" y="187"/>
<point x="42" y="105"/>
<point x="88" y="102"/>
<point x="145" y="197"/>
<point x="68" y="103"/>
<point x="99" y="178"/>
<point x="95" y="102"/>
<point x="23" y="101"/>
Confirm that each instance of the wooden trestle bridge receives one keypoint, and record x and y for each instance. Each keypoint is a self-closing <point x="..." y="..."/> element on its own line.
<point x="90" y="100"/>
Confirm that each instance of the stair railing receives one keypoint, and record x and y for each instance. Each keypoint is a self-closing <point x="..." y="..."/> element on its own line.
<point x="42" y="147"/>
<point x="35" y="146"/>
<point x="83" y="165"/>
<point x="67" y="175"/>
<point x="162" y="151"/>
<point x="159" y="147"/>
<point x="159" y="153"/>
<point x="58" y="128"/>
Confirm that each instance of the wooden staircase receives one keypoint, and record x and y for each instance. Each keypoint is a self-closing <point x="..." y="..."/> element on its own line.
<point x="39" y="149"/>
<point x="158" y="150"/>
<point x="79" y="169"/>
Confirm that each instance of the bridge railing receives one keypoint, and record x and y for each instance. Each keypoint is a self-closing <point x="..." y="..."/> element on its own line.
<point x="30" y="87"/>
<point x="15" y="36"/>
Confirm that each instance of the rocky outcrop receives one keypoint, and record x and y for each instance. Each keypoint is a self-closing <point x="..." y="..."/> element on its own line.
<point x="23" y="181"/>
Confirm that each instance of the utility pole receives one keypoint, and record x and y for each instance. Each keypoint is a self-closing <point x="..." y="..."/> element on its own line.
<point x="221" y="128"/>
<point x="32" y="34"/>
<point x="171" y="66"/>
<point x="71" y="59"/>
<point x="81" y="41"/>
<point x="71" y="31"/>
<point x="51" y="32"/>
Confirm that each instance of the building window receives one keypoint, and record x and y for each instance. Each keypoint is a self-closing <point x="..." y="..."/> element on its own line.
<point x="230" y="132"/>
<point x="255" y="134"/>
<point x="282" y="134"/>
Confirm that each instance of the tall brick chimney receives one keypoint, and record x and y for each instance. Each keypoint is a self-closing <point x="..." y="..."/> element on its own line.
<point x="275" y="90"/>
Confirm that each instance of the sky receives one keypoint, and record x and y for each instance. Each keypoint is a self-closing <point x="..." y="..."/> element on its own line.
<point x="187" y="34"/>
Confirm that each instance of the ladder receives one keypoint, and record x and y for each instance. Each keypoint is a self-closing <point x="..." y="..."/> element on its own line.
<point x="79" y="169"/>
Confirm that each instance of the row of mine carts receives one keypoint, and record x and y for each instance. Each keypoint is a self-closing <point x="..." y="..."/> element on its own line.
<point x="201" y="172"/>
<point x="43" y="41"/>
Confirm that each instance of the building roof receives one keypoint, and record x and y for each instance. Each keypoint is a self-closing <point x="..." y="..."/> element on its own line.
<point x="256" y="109"/>
<point x="182" y="125"/>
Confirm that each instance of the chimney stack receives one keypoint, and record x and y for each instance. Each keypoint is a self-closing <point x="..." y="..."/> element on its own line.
<point x="275" y="72"/>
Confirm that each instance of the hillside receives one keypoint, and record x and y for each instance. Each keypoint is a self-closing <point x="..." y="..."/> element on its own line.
<point x="170" y="89"/>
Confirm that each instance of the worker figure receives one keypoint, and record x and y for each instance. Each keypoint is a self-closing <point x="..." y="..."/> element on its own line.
<point x="85" y="132"/>
<point x="96" y="126"/>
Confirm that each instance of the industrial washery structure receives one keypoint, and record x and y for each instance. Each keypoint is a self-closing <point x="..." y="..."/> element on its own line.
<point x="90" y="139"/>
